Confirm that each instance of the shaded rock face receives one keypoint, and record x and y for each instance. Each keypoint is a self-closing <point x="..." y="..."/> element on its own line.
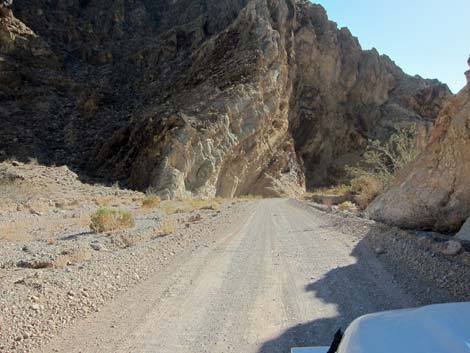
<point x="198" y="97"/>
<point x="344" y="95"/>
<point x="432" y="192"/>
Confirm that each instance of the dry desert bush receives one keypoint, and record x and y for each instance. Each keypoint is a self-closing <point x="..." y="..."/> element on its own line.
<point x="105" y="200"/>
<point x="347" y="206"/>
<point x="167" y="227"/>
<point x="129" y="240"/>
<point x="366" y="188"/>
<point x="250" y="197"/>
<point x="70" y="257"/>
<point x="15" y="231"/>
<point x="333" y="190"/>
<point x="108" y="219"/>
<point x="151" y="201"/>
<point x="190" y="205"/>
<point x="169" y="207"/>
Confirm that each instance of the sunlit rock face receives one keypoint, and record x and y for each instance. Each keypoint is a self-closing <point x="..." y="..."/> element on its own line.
<point x="432" y="192"/>
<point x="196" y="97"/>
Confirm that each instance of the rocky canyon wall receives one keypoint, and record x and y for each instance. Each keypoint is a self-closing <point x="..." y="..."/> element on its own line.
<point x="432" y="192"/>
<point x="198" y="97"/>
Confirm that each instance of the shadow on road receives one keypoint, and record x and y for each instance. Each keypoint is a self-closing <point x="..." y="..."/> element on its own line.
<point x="331" y="289"/>
<point x="355" y="290"/>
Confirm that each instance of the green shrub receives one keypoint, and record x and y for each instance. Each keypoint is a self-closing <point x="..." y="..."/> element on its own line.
<point x="383" y="160"/>
<point x="108" y="219"/>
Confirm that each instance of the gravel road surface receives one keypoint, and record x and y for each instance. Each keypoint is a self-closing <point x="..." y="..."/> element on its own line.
<point x="277" y="279"/>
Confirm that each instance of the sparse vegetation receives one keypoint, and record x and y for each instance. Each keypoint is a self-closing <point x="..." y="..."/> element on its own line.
<point x="383" y="160"/>
<point x="333" y="190"/>
<point x="381" y="163"/>
<point x="190" y="205"/>
<point x="75" y="256"/>
<point x="250" y="197"/>
<point x="366" y="188"/>
<point x="15" y="231"/>
<point x="169" y="207"/>
<point x="108" y="219"/>
<point x="347" y="206"/>
<point x="103" y="200"/>
<point x="128" y="240"/>
<point x="167" y="227"/>
<point x="151" y="201"/>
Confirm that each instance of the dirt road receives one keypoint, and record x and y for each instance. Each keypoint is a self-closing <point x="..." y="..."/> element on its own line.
<point x="280" y="278"/>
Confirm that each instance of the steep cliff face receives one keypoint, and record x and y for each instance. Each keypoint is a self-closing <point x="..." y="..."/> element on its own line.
<point x="344" y="95"/>
<point x="199" y="97"/>
<point x="432" y="192"/>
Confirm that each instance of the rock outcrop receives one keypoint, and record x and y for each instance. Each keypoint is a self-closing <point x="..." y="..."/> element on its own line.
<point x="464" y="232"/>
<point x="194" y="97"/>
<point x="432" y="192"/>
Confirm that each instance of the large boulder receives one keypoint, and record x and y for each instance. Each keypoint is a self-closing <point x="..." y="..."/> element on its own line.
<point x="432" y="192"/>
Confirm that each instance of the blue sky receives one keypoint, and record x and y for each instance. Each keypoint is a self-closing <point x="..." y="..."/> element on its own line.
<point x="430" y="38"/>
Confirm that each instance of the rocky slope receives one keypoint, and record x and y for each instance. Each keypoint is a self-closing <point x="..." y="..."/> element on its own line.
<point x="55" y="271"/>
<point x="198" y="97"/>
<point x="432" y="192"/>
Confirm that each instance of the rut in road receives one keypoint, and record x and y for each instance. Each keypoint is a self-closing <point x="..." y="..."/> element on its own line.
<point x="280" y="278"/>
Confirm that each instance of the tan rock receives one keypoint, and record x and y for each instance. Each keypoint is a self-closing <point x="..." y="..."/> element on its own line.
<point x="432" y="192"/>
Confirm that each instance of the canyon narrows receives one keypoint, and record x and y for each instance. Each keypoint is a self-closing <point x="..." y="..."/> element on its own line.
<point x="199" y="98"/>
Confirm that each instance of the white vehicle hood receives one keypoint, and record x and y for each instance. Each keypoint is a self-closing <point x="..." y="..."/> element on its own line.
<point x="443" y="328"/>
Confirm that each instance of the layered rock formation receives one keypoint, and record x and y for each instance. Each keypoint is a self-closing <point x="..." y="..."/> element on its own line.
<point x="198" y="97"/>
<point x="432" y="192"/>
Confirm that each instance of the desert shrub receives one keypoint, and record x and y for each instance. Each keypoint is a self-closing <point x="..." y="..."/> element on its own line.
<point x="151" y="201"/>
<point x="211" y="204"/>
<point x="128" y="240"/>
<point x="169" y="208"/>
<point x="105" y="200"/>
<point x="383" y="160"/>
<point x="167" y="227"/>
<point x="250" y="197"/>
<point x="366" y="188"/>
<point x="190" y="205"/>
<point x="333" y="190"/>
<point x="196" y="204"/>
<point x="69" y="257"/>
<point x="16" y="231"/>
<point x="107" y="219"/>
<point x="347" y="206"/>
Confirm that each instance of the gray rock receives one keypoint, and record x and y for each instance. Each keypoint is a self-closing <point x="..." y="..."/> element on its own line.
<point x="452" y="248"/>
<point x="379" y="250"/>
<point x="96" y="246"/>
<point x="464" y="233"/>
